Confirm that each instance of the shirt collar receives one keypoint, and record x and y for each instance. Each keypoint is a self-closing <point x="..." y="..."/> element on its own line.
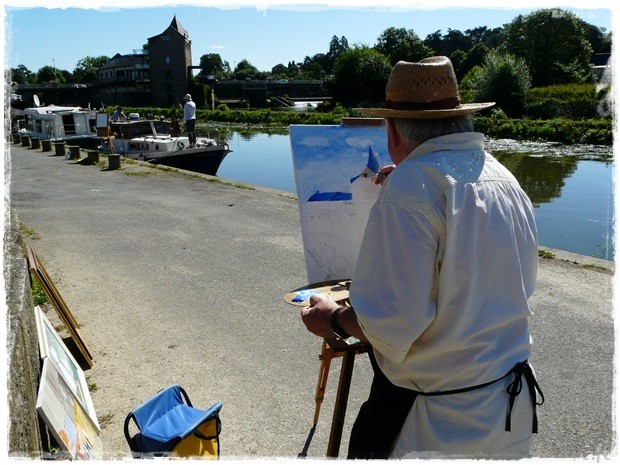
<point x="458" y="141"/>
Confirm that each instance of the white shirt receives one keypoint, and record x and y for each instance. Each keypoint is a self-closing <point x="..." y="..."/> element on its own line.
<point x="189" y="111"/>
<point x="446" y="267"/>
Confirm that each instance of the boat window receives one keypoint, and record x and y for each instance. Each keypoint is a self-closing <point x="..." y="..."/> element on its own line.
<point x="69" y="125"/>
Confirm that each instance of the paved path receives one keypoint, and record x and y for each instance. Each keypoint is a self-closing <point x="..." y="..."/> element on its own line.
<point x="176" y="279"/>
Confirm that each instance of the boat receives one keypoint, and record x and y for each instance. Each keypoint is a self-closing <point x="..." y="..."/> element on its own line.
<point x="72" y="124"/>
<point x="159" y="141"/>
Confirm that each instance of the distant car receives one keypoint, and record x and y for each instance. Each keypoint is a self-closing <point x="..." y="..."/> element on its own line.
<point x="283" y="81"/>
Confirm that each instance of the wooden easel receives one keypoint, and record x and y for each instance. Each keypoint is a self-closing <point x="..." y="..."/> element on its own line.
<point x="332" y="348"/>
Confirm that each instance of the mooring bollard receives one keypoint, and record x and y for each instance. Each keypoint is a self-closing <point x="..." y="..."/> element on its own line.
<point x="114" y="161"/>
<point x="74" y="152"/>
<point x="35" y="143"/>
<point x="25" y="141"/>
<point x="92" y="157"/>
<point x="59" y="148"/>
<point x="46" y="145"/>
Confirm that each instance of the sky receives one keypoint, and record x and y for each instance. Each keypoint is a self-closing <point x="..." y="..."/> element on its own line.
<point x="265" y="33"/>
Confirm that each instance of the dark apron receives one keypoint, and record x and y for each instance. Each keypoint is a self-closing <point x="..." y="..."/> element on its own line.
<point x="382" y="416"/>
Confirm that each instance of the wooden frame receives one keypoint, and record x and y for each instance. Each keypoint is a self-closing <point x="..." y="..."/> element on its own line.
<point x="52" y="346"/>
<point x="84" y="355"/>
<point x="64" y="416"/>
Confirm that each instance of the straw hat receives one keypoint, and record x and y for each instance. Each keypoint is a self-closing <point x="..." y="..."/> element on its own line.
<point x="187" y="97"/>
<point x="427" y="89"/>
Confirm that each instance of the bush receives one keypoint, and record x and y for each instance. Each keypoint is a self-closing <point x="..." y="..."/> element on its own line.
<point x="502" y="79"/>
<point x="575" y="101"/>
<point x="561" y="130"/>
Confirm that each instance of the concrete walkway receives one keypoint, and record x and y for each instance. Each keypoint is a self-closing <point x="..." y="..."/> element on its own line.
<point x="174" y="278"/>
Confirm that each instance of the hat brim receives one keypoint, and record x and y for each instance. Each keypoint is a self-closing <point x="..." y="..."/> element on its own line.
<point x="463" y="109"/>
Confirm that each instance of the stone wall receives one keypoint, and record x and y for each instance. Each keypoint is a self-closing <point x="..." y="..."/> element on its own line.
<point x="23" y="363"/>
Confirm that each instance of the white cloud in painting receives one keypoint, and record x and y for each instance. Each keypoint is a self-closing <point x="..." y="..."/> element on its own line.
<point x="315" y="141"/>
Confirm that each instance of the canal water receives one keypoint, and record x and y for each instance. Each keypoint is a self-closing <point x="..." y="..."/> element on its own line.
<point x="571" y="187"/>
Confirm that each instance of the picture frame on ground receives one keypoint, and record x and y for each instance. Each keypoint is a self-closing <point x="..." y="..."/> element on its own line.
<point x="67" y="421"/>
<point x="52" y="347"/>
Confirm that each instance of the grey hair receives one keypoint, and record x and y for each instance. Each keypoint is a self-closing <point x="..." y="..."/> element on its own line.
<point x="420" y="130"/>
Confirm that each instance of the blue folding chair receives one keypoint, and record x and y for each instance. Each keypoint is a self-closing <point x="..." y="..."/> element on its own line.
<point x="169" y="425"/>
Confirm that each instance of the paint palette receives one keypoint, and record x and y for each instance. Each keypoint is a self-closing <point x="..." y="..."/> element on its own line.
<point x="336" y="290"/>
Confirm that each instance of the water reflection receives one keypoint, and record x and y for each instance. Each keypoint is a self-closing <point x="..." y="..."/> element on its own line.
<point x="541" y="177"/>
<point x="571" y="187"/>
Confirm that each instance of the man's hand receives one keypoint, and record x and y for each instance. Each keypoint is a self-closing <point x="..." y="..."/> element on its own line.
<point x="317" y="316"/>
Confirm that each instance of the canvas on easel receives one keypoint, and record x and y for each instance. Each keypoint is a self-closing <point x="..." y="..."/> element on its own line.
<point x="335" y="168"/>
<point x="83" y="354"/>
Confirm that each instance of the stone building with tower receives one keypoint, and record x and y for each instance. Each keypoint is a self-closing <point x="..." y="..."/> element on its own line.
<point x="170" y="54"/>
<point x="155" y="76"/>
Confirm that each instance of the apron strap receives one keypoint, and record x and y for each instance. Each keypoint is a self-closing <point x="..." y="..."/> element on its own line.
<point x="514" y="389"/>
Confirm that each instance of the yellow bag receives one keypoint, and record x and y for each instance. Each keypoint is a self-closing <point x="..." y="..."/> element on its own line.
<point x="203" y="442"/>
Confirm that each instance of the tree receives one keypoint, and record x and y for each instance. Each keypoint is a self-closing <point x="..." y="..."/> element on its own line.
<point x="360" y="76"/>
<point x="245" y="70"/>
<point x="401" y="44"/>
<point x="503" y="79"/>
<point x="473" y="57"/>
<point x="86" y="69"/>
<point x="554" y="45"/>
<point x="279" y="71"/>
<point x="292" y="69"/>
<point x="434" y="41"/>
<point x="51" y="75"/>
<point x="21" y="75"/>
<point x="316" y="66"/>
<point x="599" y="39"/>
<point x="336" y="48"/>
<point x="212" y="64"/>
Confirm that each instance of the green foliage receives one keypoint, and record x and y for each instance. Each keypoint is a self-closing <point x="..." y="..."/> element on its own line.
<point x="546" y="254"/>
<point x="49" y="74"/>
<point x="401" y="44"/>
<point x="360" y="76"/>
<point x="21" y="75"/>
<point x="245" y="70"/>
<point x="86" y="69"/>
<point x="554" y="45"/>
<point x="212" y="63"/>
<point x="38" y="295"/>
<point x="502" y="79"/>
<point x="576" y="101"/>
<point x="565" y="131"/>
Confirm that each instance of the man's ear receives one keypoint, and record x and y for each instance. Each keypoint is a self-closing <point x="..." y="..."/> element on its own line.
<point x="392" y="132"/>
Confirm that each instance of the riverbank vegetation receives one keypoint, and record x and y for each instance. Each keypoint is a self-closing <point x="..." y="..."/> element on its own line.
<point x="567" y="114"/>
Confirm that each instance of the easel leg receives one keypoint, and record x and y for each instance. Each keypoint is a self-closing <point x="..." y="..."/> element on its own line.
<point x="326" y="357"/>
<point x="346" y="373"/>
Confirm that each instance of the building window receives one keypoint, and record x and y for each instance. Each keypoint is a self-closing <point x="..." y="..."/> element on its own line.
<point x="167" y="60"/>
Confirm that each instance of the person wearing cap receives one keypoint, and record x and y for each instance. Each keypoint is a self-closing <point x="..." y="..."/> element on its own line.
<point x="440" y="291"/>
<point x="189" y="119"/>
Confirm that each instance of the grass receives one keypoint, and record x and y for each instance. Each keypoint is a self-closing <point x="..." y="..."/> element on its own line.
<point x="30" y="233"/>
<point x="545" y="254"/>
<point x="38" y="294"/>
